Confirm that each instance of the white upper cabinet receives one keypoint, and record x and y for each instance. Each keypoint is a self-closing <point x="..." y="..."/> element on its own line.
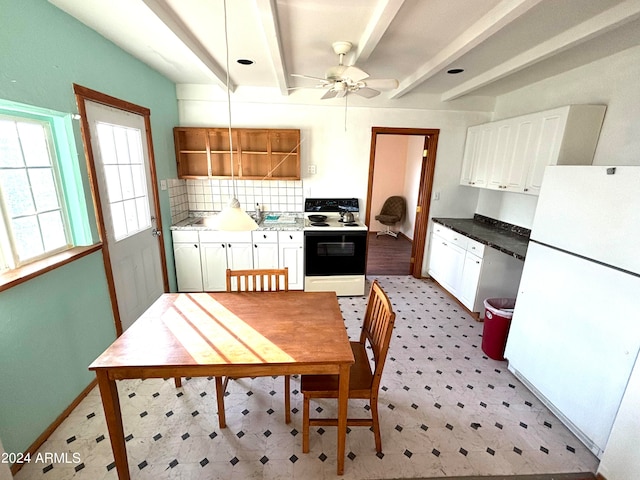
<point x="511" y="154"/>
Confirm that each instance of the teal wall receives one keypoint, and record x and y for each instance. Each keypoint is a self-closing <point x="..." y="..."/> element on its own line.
<point x="53" y="326"/>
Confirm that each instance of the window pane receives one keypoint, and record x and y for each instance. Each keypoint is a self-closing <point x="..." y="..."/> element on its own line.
<point x="10" y="153"/>
<point x="17" y="192"/>
<point x="144" y="218"/>
<point x="122" y="145"/>
<point x="139" y="180"/>
<point x="119" y="223"/>
<point x="135" y="147"/>
<point x="43" y="188"/>
<point x="52" y="230"/>
<point x="126" y="181"/>
<point x="131" y="214"/>
<point x="26" y="233"/>
<point x="34" y="144"/>
<point x="112" y="178"/>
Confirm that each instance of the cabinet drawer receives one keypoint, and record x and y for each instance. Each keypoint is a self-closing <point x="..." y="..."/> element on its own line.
<point x="475" y="247"/>
<point x="184" y="236"/>
<point x="264" y="236"/>
<point x="215" y="236"/>
<point x="290" y="236"/>
<point x="450" y="236"/>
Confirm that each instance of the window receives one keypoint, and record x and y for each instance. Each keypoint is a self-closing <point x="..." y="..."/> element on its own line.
<point x="42" y="207"/>
<point x="123" y="163"/>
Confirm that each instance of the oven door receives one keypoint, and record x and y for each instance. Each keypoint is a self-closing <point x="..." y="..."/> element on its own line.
<point x="335" y="253"/>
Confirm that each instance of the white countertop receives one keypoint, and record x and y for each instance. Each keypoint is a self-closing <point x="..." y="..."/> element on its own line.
<point x="290" y="221"/>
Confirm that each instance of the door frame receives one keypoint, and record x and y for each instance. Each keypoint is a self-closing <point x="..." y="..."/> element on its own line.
<point x="425" y="191"/>
<point x="84" y="94"/>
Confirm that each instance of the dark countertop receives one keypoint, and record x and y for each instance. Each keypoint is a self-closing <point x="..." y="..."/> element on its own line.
<point x="507" y="238"/>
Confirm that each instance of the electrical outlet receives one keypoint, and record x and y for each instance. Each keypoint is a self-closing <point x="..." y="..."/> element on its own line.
<point x="312" y="170"/>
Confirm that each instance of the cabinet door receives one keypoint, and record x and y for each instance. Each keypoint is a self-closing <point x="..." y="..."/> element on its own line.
<point x="188" y="269"/>
<point x="470" y="279"/>
<point x="292" y="257"/>
<point x="470" y="155"/>
<point x="499" y="163"/>
<point x="265" y="255"/>
<point x="546" y="148"/>
<point x="214" y="266"/>
<point x="478" y="155"/>
<point x="239" y="256"/>
<point x="486" y="153"/>
<point x="446" y="263"/>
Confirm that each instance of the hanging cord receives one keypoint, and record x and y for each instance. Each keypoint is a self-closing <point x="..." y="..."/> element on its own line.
<point x="346" y="95"/>
<point x="226" y="43"/>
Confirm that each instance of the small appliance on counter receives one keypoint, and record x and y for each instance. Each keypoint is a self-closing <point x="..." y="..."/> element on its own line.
<point x="335" y="242"/>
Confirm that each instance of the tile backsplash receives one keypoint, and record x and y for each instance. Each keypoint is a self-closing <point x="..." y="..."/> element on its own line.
<point x="211" y="195"/>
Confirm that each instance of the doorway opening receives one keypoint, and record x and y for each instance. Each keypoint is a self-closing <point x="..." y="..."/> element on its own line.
<point x="412" y="179"/>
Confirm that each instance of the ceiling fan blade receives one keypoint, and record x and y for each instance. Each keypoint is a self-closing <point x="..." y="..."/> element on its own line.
<point x="330" y="94"/>
<point x="382" y="83"/>
<point x="367" y="92"/>
<point x="355" y="74"/>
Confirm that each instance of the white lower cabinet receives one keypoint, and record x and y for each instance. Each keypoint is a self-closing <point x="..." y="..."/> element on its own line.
<point x="471" y="271"/>
<point x="291" y="248"/>
<point x="202" y="257"/>
<point x="265" y="249"/>
<point x="222" y="250"/>
<point x="186" y="252"/>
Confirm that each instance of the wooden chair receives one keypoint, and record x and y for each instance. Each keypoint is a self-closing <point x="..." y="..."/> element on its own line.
<point x="257" y="280"/>
<point x="363" y="382"/>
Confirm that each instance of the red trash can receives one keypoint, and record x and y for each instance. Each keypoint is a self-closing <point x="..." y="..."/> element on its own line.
<point x="497" y="320"/>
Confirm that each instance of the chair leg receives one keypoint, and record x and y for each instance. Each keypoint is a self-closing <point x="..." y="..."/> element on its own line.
<point x="376" y="423"/>
<point x="305" y="425"/>
<point x="287" y="398"/>
<point x="177" y="381"/>
<point x="222" y="421"/>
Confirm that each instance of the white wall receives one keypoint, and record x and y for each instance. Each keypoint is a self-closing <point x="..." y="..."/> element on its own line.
<point x="612" y="81"/>
<point x="342" y="156"/>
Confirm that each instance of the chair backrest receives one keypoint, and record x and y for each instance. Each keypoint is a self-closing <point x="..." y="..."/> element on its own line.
<point x="258" y="280"/>
<point x="395" y="205"/>
<point x="378" y="327"/>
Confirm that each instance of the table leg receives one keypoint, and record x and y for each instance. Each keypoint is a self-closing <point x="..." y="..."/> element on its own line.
<point x="343" y="405"/>
<point x="222" y="421"/>
<point x="113" y="416"/>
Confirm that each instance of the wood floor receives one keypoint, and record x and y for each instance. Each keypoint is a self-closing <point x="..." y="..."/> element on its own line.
<point x="388" y="256"/>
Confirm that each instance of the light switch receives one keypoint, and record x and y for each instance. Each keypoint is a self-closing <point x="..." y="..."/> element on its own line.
<point x="163" y="184"/>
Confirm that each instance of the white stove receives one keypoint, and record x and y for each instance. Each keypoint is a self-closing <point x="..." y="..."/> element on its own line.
<point x="335" y="246"/>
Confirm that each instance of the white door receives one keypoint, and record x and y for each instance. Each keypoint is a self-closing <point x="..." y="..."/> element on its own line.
<point x="118" y="141"/>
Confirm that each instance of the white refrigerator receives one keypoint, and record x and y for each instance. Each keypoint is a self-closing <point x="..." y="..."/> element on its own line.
<point x="575" y="331"/>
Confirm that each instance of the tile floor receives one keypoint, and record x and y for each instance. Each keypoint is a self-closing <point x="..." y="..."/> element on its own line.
<point x="446" y="410"/>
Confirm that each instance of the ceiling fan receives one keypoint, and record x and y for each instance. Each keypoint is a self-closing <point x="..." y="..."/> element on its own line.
<point x="341" y="79"/>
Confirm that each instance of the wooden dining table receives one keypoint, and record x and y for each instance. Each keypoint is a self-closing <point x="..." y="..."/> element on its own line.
<point x="239" y="334"/>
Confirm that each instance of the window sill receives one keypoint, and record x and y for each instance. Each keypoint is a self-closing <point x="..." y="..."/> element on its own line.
<point x="20" y="275"/>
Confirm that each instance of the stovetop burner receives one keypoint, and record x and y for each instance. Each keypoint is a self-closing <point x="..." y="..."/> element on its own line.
<point x="319" y="224"/>
<point x="351" y="224"/>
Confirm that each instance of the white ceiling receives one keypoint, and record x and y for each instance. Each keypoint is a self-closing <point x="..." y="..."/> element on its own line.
<point x="501" y="44"/>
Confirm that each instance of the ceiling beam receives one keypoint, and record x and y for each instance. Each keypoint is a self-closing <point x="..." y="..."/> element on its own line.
<point x="379" y="22"/>
<point x="182" y="32"/>
<point x="499" y="17"/>
<point x="595" y="26"/>
<point x="268" y="11"/>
